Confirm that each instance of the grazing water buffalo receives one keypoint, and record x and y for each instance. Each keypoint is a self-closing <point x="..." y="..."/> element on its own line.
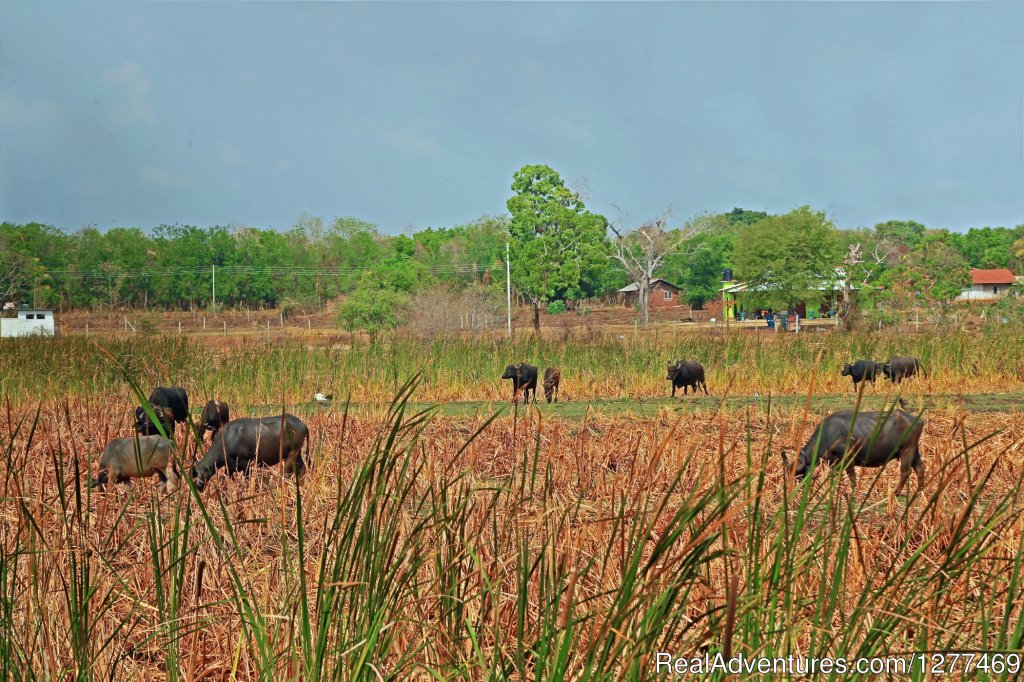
<point x="686" y="374"/>
<point x="214" y="416"/>
<point x="862" y="370"/>
<point x="898" y="369"/>
<point x="136" y="457"/>
<point x="877" y="438"/>
<point x="244" y="442"/>
<point x="524" y="378"/>
<point x="175" y="398"/>
<point x="145" y="425"/>
<point x="552" y="379"/>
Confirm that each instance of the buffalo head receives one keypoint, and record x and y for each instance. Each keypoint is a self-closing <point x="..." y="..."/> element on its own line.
<point x="803" y="461"/>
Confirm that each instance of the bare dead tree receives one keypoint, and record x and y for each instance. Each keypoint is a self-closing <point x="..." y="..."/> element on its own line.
<point x="862" y="267"/>
<point x="581" y="188"/>
<point x="642" y="252"/>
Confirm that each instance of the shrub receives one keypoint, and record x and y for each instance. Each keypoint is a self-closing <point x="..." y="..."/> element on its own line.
<point x="556" y="307"/>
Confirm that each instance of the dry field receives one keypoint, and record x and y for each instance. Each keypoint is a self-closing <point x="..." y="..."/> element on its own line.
<point x="523" y="548"/>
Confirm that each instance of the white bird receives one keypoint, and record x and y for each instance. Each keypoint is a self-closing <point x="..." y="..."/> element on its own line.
<point x="323" y="399"/>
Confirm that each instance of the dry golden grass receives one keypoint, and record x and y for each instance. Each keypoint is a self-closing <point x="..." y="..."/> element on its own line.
<point x="577" y="495"/>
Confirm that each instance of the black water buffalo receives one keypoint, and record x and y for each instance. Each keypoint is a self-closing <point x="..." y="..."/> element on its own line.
<point x="215" y="415"/>
<point x="175" y="398"/>
<point x="877" y="438"/>
<point x="862" y="370"/>
<point x="552" y="380"/>
<point x="898" y="369"/>
<point x="686" y="374"/>
<point x="244" y="442"/>
<point x="524" y="378"/>
<point x="137" y="457"/>
<point x="145" y="426"/>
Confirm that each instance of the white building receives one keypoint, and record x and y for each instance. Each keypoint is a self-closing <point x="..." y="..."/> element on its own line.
<point x="988" y="285"/>
<point x="27" y="323"/>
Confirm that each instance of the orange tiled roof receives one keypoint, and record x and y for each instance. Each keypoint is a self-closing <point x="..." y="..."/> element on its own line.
<point x="996" y="276"/>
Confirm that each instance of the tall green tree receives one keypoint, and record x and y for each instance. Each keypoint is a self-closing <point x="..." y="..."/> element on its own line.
<point x="904" y="233"/>
<point x="698" y="270"/>
<point x="27" y="253"/>
<point x="373" y="307"/>
<point x="557" y="244"/>
<point x="932" y="274"/>
<point x="988" y="247"/>
<point x="786" y="258"/>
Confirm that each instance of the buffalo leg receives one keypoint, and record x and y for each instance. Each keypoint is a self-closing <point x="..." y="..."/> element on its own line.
<point x="918" y="467"/>
<point x="704" y="385"/>
<point x="172" y="479"/>
<point x="904" y="475"/>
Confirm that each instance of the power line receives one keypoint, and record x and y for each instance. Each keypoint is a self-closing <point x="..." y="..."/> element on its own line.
<point x="246" y="270"/>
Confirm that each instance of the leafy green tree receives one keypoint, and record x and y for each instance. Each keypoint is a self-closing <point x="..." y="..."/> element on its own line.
<point x="24" y="251"/>
<point x="1017" y="249"/>
<point x="557" y="244"/>
<point x="932" y="274"/>
<point x="741" y="216"/>
<point x="373" y="307"/>
<point x="699" y="271"/>
<point x="988" y="247"/>
<point x="351" y="245"/>
<point x="788" y="257"/>
<point x="904" y="233"/>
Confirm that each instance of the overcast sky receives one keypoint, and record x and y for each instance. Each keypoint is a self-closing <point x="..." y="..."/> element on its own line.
<point x="138" y="114"/>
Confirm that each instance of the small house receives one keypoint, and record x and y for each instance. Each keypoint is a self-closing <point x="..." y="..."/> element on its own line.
<point x="662" y="294"/>
<point x="28" y="322"/>
<point x="987" y="285"/>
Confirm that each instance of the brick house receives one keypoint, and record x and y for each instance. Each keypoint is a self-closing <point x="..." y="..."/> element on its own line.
<point x="663" y="294"/>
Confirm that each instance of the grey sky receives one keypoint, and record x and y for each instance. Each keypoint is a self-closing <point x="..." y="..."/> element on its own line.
<point x="137" y="114"/>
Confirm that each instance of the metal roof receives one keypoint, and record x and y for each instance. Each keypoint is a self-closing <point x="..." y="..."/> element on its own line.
<point x="630" y="288"/>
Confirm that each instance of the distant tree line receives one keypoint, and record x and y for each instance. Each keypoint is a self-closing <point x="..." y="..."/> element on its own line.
<point x="562" y="253"/>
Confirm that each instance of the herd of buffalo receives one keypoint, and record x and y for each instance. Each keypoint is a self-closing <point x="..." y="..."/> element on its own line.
<point x="862" y="439"/>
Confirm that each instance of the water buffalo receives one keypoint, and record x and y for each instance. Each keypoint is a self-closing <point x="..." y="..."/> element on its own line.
<point x="686" y="374"/>
<point x="898" y="369"/>
<point x="877" y="438"/>
<point x="862" y="370"/>
<point x="136" y="457"/>
<point x="244" y="442"/>
<point x="145" y="426"/>
<point x="552" y="379"/>
<point x="175" y="398"/>
<point x="214" y="416"/>
<point x="524" y="378"/>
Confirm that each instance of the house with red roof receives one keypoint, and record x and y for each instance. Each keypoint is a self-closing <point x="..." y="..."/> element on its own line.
<point x="987" y="285"/>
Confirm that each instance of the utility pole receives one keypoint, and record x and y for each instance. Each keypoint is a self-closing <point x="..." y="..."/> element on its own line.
<point x="508" y="287"/>
<point x="214" y="270"/>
